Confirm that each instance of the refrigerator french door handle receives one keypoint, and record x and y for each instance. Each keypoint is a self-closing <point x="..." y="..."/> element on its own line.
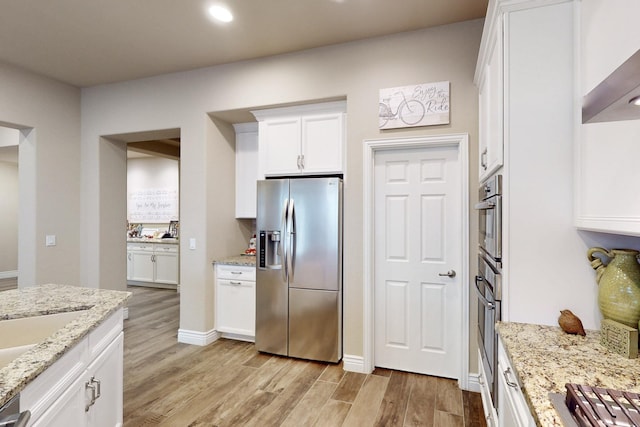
<point x="282" y="246"/>
<point x="291" y="240"/>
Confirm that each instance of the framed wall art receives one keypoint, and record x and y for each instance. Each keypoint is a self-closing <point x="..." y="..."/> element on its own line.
<point x="425" y="104"/>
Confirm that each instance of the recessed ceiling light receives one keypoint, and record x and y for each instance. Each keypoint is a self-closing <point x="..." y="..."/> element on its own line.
<point x="635" y="100"/>
<point x="221" y="13"/>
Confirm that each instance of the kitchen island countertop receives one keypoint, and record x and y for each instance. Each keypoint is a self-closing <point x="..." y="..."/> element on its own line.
<point x="50" y="299"/>
<point x="545" y="358"/>
<point x="247" y="260"/>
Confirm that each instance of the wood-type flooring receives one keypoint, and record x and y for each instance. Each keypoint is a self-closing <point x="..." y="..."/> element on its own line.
<point x="228" y="383"/>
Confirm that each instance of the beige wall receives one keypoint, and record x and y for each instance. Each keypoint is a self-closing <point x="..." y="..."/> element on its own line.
<point x="182" y="100"/>
<point x="48" y="114"/>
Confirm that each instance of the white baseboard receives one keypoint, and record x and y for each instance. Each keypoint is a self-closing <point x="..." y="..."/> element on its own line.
<point x="238" y="337"/>
<point x="472" y="383"/>
<point x="353" y="364"/>
<point x="197" y="338"/>
<point x="12" y="274"/>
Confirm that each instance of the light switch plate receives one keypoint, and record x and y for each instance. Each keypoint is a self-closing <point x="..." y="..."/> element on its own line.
<point x="50" y="240"/>
<point x="192" y="243"/>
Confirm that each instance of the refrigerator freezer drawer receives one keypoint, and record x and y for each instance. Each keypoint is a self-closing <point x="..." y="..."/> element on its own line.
<point x="315" y="324"/>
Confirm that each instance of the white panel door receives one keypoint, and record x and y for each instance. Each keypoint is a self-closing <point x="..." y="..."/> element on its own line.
<point x="418" y="319"/>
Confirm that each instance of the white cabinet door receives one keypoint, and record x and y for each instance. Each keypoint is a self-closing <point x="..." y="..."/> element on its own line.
<point x="165" y="258"/>
<point x="129" y="264"/>
<point x="67" y="410"/>
<point x="322" y="143"/>
<point x="142" y="266"/>
<point x="491" y="87"/>
<point x="236" y="307"/>
<point x="512" y="407"/>
<point x="279" y="141"/>
<point x="487" y="403"/>
<point x="105" y="375"/>
<point x="507" y="416"/>
<point x="246" y="169"/>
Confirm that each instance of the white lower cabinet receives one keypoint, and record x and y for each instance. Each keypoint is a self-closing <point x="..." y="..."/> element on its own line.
<point x="485" y="392"/>
<point x="236" y="301"/>
<point x="512" y="406"/>
<point x="85" y="386"/>
<point x="153" y="263"/>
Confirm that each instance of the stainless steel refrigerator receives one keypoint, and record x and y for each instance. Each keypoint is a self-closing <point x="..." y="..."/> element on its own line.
<point x="299" y="268"/>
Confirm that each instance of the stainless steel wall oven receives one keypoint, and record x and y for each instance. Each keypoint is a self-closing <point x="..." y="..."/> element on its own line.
<point x="490" y="219"/>
<point x="488" y="287"/>
<point x="488" y="282"/>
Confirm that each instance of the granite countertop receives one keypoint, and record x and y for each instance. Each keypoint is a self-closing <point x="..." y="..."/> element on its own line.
<point x="247" y="260"/>
<point x="50" y="299"/>
<point x="148" y="240"/>
<point x="545" y="359"/>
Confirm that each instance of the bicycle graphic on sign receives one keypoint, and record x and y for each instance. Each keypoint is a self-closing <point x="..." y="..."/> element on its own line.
<point x="418" y="105"/>
<point x="410" y="111"/>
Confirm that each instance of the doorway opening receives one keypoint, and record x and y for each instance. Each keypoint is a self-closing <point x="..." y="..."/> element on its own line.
<point x="9" y="207"/>
<point x="153" y="214"/>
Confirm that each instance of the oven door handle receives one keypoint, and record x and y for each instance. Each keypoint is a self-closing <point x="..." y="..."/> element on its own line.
<point x="483" y="299"/>
<point x="485" y="205"/>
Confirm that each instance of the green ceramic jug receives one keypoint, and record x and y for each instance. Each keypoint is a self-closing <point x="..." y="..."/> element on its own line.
<point x="618" y="284"/>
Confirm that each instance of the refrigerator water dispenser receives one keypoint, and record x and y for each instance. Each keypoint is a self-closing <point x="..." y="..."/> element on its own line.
<point x="270" y="256"/>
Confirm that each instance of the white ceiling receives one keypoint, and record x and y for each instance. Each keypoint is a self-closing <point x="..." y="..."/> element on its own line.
<point x="90" y="42"/>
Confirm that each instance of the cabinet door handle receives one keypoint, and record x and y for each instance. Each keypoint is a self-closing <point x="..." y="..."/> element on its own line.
<point x="90" y="386"/>
<point x="94" y="386"/>
<point x="97" y="383"/>
<point x="129" y="256"/>
<point x="483" y="159"/>
<point x="301" y="161"/>
<point x="506" y="374"/>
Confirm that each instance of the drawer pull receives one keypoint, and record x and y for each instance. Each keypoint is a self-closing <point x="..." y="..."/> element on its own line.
<point x="506" y="374"/>
<point x="236" y="283"/>
<point x="236" y="272"/>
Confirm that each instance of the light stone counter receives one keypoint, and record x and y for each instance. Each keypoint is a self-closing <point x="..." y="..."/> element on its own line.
<point x="50" y="299"/>
<point x="247" y="260"/>
<point x="545" y="359"/>
<point x="170" y="241"/>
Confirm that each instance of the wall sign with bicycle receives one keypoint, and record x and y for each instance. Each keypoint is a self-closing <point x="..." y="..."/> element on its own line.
<point x="424" y="104"/>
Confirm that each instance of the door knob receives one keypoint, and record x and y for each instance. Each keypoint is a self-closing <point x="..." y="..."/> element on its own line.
<point x="450" y="273"/>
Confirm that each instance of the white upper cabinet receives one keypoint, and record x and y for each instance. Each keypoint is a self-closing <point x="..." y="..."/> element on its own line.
<point x="279" y="145"/>
<point x="246" y="169"/>
<point x="322" y="143"/>
<point x="307" y="139"/>
<point x="489" y="78"/>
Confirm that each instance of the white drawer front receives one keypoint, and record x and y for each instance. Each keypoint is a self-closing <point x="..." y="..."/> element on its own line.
<point x="160" y="248"/>
<point x="142" y="247"/>
<point x="235" y="272"/>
